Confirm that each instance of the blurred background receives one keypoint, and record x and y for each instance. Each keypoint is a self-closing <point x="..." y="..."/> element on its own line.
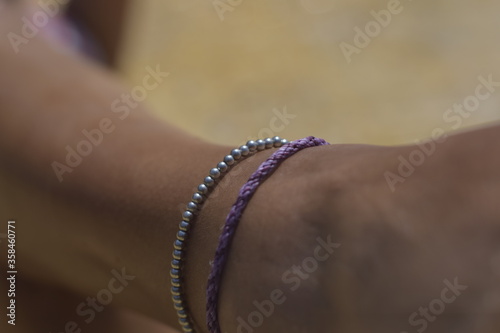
<point x="234" y="64"/>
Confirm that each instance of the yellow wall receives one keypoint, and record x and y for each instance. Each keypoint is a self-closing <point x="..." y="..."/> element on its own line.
<point x="227" y="77"/>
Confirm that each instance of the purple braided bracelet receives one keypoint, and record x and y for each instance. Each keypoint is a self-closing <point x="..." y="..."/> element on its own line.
<point x="232" y="220"/>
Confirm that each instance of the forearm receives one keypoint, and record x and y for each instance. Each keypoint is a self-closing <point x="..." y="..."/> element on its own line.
<point x="118" y="207"/>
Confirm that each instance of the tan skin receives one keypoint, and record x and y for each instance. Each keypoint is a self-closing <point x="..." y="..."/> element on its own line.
<point x="120" y="208"/>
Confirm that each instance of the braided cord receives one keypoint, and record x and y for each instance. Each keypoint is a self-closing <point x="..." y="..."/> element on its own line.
<point x="234" y="216"/>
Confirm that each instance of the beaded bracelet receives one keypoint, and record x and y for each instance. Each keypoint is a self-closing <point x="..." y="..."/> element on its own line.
<point x="193" y="207"/>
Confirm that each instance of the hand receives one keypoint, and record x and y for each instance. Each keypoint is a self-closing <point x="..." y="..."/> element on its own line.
<point x="402" y="256"/>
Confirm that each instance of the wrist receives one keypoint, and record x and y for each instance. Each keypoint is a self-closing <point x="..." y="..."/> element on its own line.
<point x="205" y="233"/>
<point x="275" y="232"/>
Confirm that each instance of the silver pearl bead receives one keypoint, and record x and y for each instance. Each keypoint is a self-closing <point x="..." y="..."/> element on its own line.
<point x="261" y="145"/>
<point x="192" y="206"/>
<point x="277" y="142"/>
<point x="179" y="255"/>
<point x="229" y="160"/>
<point x="203" y="189"/>
<point x="175" y="264"/>
<point x="198" y="198"/>
<point x="284" y="141"/>
<point x="214" y="173"/>
<point x="175" y="283"/>
<point x="184" y="225"/>
<point x="222" y="166"/>
<point x="209" y="181"/>
<point x="269" y="143"/>
<point x="175" y="274"/>
<point x="181" y="235"/>
<point x="187" y="216"/>
<point x="236" y="154"/>
<point x="244" y="150"/>
<point x="178" y="245"/>
<point x="252" y="145"/>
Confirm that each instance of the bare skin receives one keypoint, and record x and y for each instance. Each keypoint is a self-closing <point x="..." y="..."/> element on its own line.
<point x="119" y="208"/>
